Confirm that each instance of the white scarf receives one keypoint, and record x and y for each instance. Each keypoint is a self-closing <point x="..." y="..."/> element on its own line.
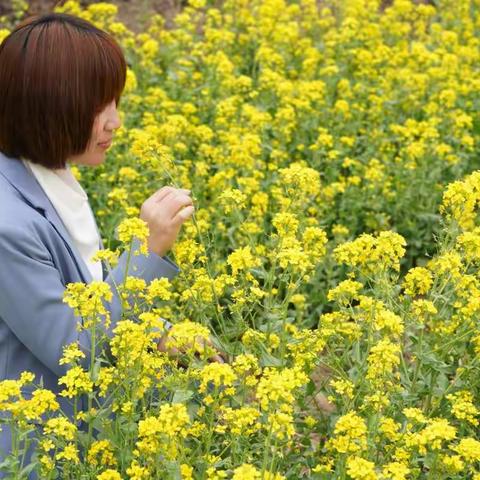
<point x="71" y="203"/>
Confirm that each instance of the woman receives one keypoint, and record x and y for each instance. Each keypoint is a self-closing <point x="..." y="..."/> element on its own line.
<point x="61" y="79"/>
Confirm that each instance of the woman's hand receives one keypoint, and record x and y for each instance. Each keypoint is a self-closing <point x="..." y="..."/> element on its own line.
<point x="166" y="344"/>
<point x="165" y="211"/>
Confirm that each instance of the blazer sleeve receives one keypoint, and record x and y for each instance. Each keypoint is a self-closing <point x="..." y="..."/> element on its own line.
<point x="31" y="294"/>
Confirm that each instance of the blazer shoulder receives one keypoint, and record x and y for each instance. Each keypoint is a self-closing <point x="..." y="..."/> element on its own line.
<point x="17" y="216"/>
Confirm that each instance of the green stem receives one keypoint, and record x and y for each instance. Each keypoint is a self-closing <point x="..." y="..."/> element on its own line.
<point x="92" y="364"/>
<point x="266" y="449"/>
<point x="127" y="266"/>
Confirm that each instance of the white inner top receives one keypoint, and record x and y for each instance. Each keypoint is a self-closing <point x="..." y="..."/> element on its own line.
<point x="71" y="203"/>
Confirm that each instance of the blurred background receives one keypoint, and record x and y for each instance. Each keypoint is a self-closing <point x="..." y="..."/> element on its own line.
<point x="133" y="13"/>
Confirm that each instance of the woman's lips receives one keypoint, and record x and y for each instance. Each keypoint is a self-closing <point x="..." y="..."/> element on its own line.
<point x="105" y="145"/>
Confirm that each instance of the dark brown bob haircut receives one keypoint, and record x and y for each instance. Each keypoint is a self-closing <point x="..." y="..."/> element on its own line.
<point x="57" y="72"/>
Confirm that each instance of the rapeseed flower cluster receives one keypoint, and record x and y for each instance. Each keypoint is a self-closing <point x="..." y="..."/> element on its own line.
<point x="333" y="255"/>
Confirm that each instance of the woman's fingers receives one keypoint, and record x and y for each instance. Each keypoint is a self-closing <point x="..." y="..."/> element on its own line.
<point x="183" y="214"/>
<point x="160" y="194"/>
<point x="165" y="345"/>
<point x="217" y="358"/>
<point x="175" y="202"/>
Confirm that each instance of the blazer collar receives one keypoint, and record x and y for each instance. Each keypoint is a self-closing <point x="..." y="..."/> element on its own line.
<point x="26" y="184"/>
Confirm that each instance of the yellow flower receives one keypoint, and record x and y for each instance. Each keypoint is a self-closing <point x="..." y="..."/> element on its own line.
<point x="390" y="429"/>
<point x="26" y="377"/>
<point x="218" y="375"/>
<point x="382" y="359"/>
<point x="314" y="242"/>
<point x="242" y="259"/>
<point x="109" y="474"/>
<point x="340" y="230"/>
<point x="463" y="407"/>
<point x="61" y="427"/>
<point x="469" y="242"/>
<point x="453" y="463"/>
<point x="469" y="449"/>
<point x="460" y="200"/>
<point x="131" y="228"/>
<point x="77" y="381"/>
<point x="246" y="472"/>
<point x="130" y="86"/>
<point x="134" y="285"/>
<point x="414" y="414"/>
<point x="285" y="223"/>
<point x="186" y="472"/>
<point x="162" y="433"/>
<point x="87" y="300"/>
<point x="104" y="379"/>
<point x="232" y="199"/>
<point x="345" y="292"/>
<point x="396" y="471"/>
<point x="106" y="255"/>
<point x="343" y="387"/>
<point x="437" y="431"/>
<point x="298" y="179"/>
<point x="349" y="435"/>
<point x="47" y="464"/>
<point x="372" y="254"/>
<point x="417" y="281"/>
<point x="9" y="389"/>
<point x="3" y="34"/>
<point x="361" y="469"/>
<point x="213" y="474"/>
<point x="137" y="472"/>
<point x="190" y="337"/>
<point x="101" y="453"/>
<point x="278" y="386"/>
<point x="241" y="421"/>
<point x="423" y="308"/>
<point x="281" y="425"/>
<point x="389" y="322"/>
<point x="69" y="453"/>
<point x="158" y="288"/>
<point x="41" y="401"/>
<point x="71" y="353"/>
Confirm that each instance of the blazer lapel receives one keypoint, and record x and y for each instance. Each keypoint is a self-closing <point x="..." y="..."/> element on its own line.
<point x="26" y="184"/>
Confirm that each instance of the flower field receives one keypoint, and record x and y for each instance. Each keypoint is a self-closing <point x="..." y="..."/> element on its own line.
<point x="331" y="150"/>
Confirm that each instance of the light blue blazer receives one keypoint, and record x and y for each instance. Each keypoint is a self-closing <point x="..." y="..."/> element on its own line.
<point x="37" y="260"/>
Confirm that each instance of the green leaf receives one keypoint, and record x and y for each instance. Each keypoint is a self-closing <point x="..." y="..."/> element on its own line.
<point x="182" y="396"/>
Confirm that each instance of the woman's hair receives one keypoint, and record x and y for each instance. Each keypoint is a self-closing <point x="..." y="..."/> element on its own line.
<point x="57" y="72"/>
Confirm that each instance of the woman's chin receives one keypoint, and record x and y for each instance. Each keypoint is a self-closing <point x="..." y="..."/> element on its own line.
<point x="92" y="159"/>
<point x="98" y="158"/>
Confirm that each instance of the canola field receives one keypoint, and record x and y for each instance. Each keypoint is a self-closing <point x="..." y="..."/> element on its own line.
<point x="332" y="152"/>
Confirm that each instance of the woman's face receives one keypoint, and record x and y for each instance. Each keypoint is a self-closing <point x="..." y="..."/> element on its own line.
<point x="103" y="130"/>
